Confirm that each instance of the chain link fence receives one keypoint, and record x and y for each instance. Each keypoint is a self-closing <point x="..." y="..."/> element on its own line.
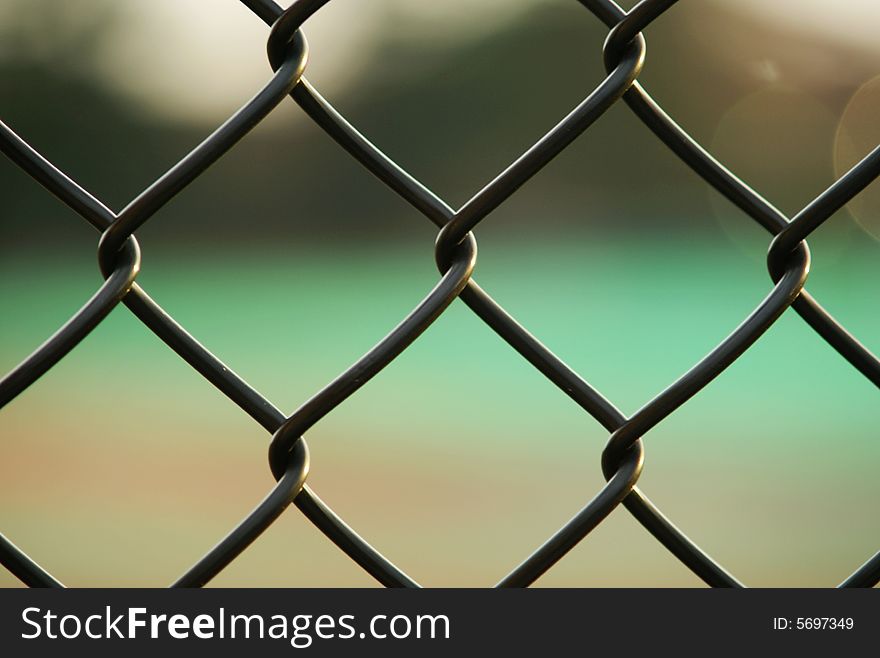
<point x="456" y="254"/>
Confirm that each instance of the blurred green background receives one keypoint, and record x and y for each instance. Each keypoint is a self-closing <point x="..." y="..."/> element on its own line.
<point x="121" y="467"/>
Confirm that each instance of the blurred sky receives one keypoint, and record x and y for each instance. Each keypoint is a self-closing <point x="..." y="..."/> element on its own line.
<point x="849" y="21"/>
<point x="160" y="50"/>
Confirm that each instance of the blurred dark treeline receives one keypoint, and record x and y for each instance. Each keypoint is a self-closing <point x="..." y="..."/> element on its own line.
<point x="453" y="118"/>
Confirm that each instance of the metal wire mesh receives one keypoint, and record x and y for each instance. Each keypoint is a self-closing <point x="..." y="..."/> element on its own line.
<point x="456" y="253"/>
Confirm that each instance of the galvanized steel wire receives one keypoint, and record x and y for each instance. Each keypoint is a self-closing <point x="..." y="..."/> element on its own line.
<point x="788" y="263"/>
